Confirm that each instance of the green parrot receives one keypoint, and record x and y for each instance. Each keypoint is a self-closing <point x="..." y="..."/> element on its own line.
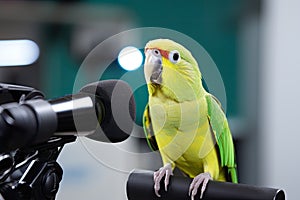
<point x="183" y="121"/>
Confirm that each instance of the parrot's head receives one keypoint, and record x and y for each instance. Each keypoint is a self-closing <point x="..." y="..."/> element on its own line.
<point x="170" y="67"/>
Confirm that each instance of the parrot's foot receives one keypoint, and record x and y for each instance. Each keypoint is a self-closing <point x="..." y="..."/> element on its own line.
<point x="158" y="175"/>
<point x="203" y="179"/>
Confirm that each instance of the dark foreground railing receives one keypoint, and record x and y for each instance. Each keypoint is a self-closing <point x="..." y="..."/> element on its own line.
<point x="140" y="186"/>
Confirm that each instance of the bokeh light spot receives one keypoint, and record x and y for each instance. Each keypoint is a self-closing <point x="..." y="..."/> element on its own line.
<point x="130" y="58"/>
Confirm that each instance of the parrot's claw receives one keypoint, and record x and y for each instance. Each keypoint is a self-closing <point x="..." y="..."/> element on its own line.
<point x="158" y="175"/>
<point x="203" y="179"/>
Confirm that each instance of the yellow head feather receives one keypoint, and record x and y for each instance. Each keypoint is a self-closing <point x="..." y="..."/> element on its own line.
<point x="182" y="77"/>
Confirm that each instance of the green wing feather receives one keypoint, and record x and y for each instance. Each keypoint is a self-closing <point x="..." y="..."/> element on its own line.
<point x="148" y="130"/>
<point x="219" y="125"/>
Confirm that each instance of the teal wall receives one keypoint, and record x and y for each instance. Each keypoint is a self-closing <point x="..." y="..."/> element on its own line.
<point x="213" y="23"/>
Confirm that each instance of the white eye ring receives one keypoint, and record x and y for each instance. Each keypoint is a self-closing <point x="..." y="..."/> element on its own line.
<point x="174" y="56"/>
<point x="156" y="52"/>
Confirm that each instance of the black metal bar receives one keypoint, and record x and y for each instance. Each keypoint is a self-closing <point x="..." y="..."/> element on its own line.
<point x="140" y="186"/>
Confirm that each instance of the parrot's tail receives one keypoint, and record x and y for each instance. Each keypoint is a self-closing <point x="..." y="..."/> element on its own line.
<point x="232" y="175"/>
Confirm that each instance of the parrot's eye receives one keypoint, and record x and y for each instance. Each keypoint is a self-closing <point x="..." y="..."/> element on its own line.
<point x="156" y="52"/>
<point x="174" y="56"/>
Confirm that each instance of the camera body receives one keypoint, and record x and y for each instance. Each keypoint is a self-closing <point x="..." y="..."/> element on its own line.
<point x="31" y="171"/>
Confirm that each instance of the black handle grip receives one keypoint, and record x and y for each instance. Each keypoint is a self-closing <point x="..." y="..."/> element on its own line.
<point x="140" y="186"/>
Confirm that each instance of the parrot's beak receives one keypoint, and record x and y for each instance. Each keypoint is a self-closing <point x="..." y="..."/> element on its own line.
<point x="153" y="66"/>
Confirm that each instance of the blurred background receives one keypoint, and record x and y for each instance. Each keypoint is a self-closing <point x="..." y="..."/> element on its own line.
<point x="254" y="43"/>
